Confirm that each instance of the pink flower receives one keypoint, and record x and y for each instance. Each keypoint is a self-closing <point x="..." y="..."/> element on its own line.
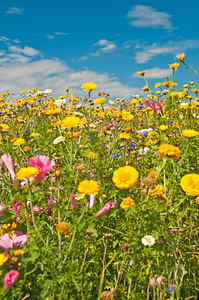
<point x="154" y="106"/>
<point x="49" y="203"/>
<point x="2" y="208"/>
<point x="106" y="207"/>
<point x="10" y="278"/>
<point x="73" y="202"/>
<point x="92" y="199"/>
<point x="7" y="160"/>
<point x="18" y="239"/>
<point x="42" y="163"/>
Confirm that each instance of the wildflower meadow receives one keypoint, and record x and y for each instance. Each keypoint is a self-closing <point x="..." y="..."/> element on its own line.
<point x="100" y="196"/>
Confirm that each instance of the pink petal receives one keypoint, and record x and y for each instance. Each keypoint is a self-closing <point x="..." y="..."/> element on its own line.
<point x="8" y="161"/>
<point x="6" y="242"/>
<point x="19" y="239"/>
<point x="43" y="164"/>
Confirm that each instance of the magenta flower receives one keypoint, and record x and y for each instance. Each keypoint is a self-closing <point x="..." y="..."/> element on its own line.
<point x="106" y="207"/>
<point x="42" y="163"/>
<point x="49" y="203"/>
<point x="73" y="202"/>
<point x="155" y="106"/>
<point x="7" y="160"/>
<point x="18" y="239"/>
<point x="10" y="278"/>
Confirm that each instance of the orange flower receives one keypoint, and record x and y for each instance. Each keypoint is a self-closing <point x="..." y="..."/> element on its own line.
<point x="169" y="151"/>
<point x="190" y="184"/>
<point x="125" y="177"/>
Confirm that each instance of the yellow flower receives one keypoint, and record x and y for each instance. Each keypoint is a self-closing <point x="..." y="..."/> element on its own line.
<point x="124" y="135"/>
<point x="157" y="85"/>
<point x="190" y="133"/>
<point x="3" y="258"/>
<point x="153" y="137"/>
<point x="163" y="127"/>
<point x="61" y="97"/>
<point x="8" y="228"/>
<point x="63" y="228"/>
<point x="19" y="142"/>
<point x="127" y="116"/>
<point x="174" y="66"/>
<point x="18" y="252"/>
<point x="22" y="92"/>
<point x="26" y="149"/>
<point x="71" y="122"/>
<point x="153" y="174"/>
<point x="99" y="100"/>
<point x="142" y="73"/>
<point x="88" y="187"/>
<point x="127" y="203"/>
<point x="91" y="155"/>
<point x="72" y="134"/>
<point x="169" y="151"/>
<point x="125" y="177"/>
<point x="180" y="57"/>
<point x="34" y="134"/>
<point x="190" y="184"/>
<point x="157" y="191"/>
<point x="89" y="86"/>
<point x="4" y="127"/>
<point x="27" y="173"/>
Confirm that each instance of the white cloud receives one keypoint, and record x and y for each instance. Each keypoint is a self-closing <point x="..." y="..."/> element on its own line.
<point x="4" y="39"/>
<point x="57" y="33"/>
<point x="26" y="50"/>
<point x="14" y="10"/>
<point x="156" y="73"/>
<point x="61" y="33"/>
<point x="106" y="46"/>
<point x="19" y="72"/>
<point x="147" y="16"/>
<point x="149" y="52"/>
<point x="83" y="57"/>
<point x="50" y="36"/>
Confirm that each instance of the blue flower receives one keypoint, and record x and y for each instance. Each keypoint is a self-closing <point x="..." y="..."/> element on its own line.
<point x="116" y="155"/>
<point x="133" y="145"/>
<point x="144" y="134"/>
<point x="172" y="287"/>
<point x="27" y="130"/>
<point x="36" y="152"/>
<point x="89" y="138"/>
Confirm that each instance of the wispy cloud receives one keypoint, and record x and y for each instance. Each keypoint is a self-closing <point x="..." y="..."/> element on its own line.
<point x="105" y="45"/>
<point x="147" y="16"/>
<point x="156" y="73"/>
<point x="149" y="52"/>
<point x="14" y="10"/>
<point x="57" y="33"/>
<point x="28" y="51"/>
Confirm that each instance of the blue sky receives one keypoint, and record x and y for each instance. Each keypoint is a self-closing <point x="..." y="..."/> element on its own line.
<point x="59" y="44"/>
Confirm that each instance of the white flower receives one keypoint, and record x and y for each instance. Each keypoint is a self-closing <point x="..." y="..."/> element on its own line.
<point x="111" y="102"/>
<point x="40" y="93"/>
<point x="144" y="150"/>
<point x="60" y="102"/>
<point x="48" y="91"/>
<point x="148" y="240"/>
<point x="76" y="113"/>
<point x="143" y="131"/>
<point x="92" y="125"/>
<point x="58" y="140"/>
